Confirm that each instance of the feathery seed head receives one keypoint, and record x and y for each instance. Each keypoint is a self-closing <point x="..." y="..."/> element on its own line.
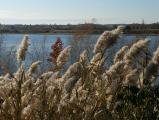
<point x="83" y="57"/>
<point x="97" y="57"/>
<point x="107" y="39"/>
<point x="119" y="29"/>
<point x="70" y="83"/>
<point x="120" y="54"/>
<point x="33" y="67"/>
<point x="18" y="74"/>
<point x="46" y="75"/>
<point x="137" y="48"/>
<point x="23" y="48"/>
<point x="155" y="58"/>
<point x="74" y="69"/>
<point x="115" y="69"/>
<point x="132" y="77"/>
<point x="27" y="110"/>
<point x="63" y="57"/>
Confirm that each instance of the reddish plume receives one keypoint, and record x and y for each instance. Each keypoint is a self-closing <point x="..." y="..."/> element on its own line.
<point x="57" y="47"/>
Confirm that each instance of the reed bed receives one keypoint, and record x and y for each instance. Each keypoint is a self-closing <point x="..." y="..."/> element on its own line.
<point x="86" y="90"/>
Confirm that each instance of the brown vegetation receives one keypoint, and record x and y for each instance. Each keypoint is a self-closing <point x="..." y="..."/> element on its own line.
<point x="86" y="90"/>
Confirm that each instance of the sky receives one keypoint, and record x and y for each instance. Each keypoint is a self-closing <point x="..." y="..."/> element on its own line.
<point x="78" y="11"/>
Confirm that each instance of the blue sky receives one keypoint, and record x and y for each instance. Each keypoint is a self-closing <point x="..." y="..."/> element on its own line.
<point x="78" y="11"/>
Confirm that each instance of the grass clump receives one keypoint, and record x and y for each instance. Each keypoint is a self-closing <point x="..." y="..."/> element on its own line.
<point x="86" y="90"/>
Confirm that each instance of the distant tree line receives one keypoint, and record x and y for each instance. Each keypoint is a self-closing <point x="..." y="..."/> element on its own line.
<point x="143" y="28"/>
<point x="53" y="28"/>
<point x="135" y="28"/>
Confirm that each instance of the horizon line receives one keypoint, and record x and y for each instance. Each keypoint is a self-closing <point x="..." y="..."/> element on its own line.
<point x="76" y="23"/>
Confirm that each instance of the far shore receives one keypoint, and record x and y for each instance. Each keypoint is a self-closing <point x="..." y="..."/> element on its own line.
<point x="65" y="33"/>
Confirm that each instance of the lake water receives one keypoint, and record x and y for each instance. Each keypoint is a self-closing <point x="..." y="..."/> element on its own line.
<point x="13" y="40"/>
<point x="39" y="42"/>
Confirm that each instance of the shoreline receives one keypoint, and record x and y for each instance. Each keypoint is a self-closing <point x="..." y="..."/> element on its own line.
<point x="147" y="34"/>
